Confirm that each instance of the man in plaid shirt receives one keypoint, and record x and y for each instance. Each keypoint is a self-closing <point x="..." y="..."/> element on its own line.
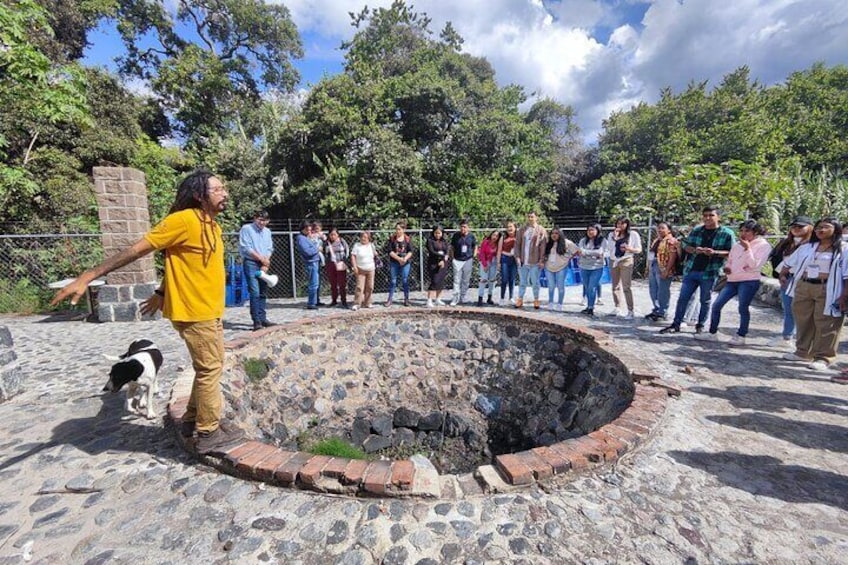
<point x="708" y="246"/>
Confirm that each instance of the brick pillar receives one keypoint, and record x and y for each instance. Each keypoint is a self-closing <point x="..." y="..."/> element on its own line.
<point x="121" y="194"/>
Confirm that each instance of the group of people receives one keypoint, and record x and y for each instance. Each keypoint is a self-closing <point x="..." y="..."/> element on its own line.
<point x="811" y="262"/>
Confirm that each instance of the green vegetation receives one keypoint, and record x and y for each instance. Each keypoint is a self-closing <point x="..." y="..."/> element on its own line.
<point x="336" y="447"/>
<point x="256" y="369"/>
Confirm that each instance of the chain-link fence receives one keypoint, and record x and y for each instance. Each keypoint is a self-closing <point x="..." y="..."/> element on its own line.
<point x="31" y="262"/>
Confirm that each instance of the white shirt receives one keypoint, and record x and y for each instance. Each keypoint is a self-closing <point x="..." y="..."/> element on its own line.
<point x="803" y="257"/>
<point x="364" y="256"/>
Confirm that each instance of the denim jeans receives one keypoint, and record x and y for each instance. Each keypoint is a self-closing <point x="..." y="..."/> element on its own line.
<point x="556" y="281"/>
<point x="257" y="289"/>
<point x="314" y="283"/>
<point x="591" y="284"/>
<point x="528" y="275"/>
<point x="488" y="278"/>
<point x="508" y="268"/>
<point x="746" y="291"/>
<point x="660" y="290"/>
<point x="788" y="317"/>
<point x="396" y="269"/>
<point x="694" y="281"/>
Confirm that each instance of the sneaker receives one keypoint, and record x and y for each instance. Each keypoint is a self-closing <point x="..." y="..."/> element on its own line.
<point x="220" y="441"/>
<point x="794" y="357"/>
<point x="699" y="329"/>
<point x="311" y="307"/>
<point x="630" y="315"/>
<point x="819" y="365"/>
<point x="599" y="302"/>
<point x="490" y="302"/>
<point x="537" y="304"/>
<point x="583" y="301"/>
<point x="551" y="306"/>
<point x="781" y="341"/>
<point x="389" y="303"/>
<point x="737" y="341"/>
<point x="267" y="324"/>
<point x="589" y="312"/>
<point x="257" y="327"/>
<point x="454" y="302"/>
<point x="559" y="308"/>
<point x="672" y="329"/>
<point x="430" y="303"/>
<point x="706" y="337"/>
<point x="187" y="428"/>
<point x="355" y="307"/>
<point x="684" y="325"/>
<point x="615" y="313"/>
<point x="440" y="302"/>
<point x="841" y="379"/>
<point x="406" y="301"/>
<point x="653" y="316"/>
<point x="369" y="305"/>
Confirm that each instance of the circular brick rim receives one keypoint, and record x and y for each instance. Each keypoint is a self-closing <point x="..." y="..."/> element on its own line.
<point x="259" y="461"/>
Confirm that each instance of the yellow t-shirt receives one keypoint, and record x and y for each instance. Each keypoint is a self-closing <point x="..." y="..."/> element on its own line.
<point x="194" y="265"/>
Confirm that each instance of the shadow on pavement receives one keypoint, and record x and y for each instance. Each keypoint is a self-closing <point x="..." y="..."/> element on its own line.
<point x="105" y="431"/>
<point x="811" y="435"/>
<point x="762" y="475"/>
<point x="769" y="399"/>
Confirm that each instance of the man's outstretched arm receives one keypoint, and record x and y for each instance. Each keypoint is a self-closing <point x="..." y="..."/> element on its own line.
<point x="78" y="286"/>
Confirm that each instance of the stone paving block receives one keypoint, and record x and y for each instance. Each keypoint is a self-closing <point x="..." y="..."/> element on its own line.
<point x="469" y="485"/>
<point x="403" y="473"/>
<point x="514" y="469"/>
<point x="493" y="481"/>
<point x="288" y="472"/>
<point x="378" y="477"/>
<point x="311" y="470"/>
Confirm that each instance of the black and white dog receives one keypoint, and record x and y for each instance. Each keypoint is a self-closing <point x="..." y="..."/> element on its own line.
<point x="138" y="369"/>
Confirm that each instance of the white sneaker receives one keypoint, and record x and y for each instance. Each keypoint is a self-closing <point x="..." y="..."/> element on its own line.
<point x="559" y="307"/>
<point x="818" y="365"/>
<point x="781" y="342"/>
<point x="630" y="315"/>
<point x="793" y="357"/>
<point x="599" y="302"/>
<point x="706" y="336"/>
<point x="355" y="307"/>
<point x="551" y="306"/>
<point x="454" y="302"/>
<point x="684" y="325"/>
<point x="583" y="301"/>
<point x="440" y="302"/>
<point x="430" y="303"/>
<point x="512" y="301"/>
<point x="737" y="341"/>
<point x="615" y="313"/>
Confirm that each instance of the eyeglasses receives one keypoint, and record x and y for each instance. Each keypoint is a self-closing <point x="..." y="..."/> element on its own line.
<point x="219" y="189"/>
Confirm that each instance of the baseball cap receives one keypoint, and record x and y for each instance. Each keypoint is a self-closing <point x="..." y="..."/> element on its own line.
<point x="801" y="221"/>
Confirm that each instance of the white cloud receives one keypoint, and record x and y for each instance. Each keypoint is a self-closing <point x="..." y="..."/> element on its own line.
<point x="585" y="52"/>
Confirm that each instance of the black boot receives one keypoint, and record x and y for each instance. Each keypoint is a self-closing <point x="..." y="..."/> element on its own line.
<point x="490" y="302"/>
<point x="479" y="301"/>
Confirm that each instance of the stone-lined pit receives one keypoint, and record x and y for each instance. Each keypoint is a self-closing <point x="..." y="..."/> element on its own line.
<point x="458" y="387"/>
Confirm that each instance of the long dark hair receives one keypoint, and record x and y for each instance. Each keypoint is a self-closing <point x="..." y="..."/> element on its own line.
<point x="192" y="191"/>
<point x="433" y="233"/>
<point x="599" y="239"/>
<point x="837" y="231"/>
<point x="560" y="249"/>
<point x="626" y="233"/>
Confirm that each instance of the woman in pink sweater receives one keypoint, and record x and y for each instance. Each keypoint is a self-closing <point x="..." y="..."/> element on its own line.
<point x="488" y="266"/>
<point x="743" y="266"/>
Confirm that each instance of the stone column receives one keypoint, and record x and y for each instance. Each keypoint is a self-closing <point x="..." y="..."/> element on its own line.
<point x="11" y="376"/>
<point x="122" y="204"/>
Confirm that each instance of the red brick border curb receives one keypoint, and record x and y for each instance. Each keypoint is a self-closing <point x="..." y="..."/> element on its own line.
<point x="262" y="462"/>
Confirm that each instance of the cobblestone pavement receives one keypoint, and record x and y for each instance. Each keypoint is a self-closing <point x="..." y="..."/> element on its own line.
<point x="748" y="465"/>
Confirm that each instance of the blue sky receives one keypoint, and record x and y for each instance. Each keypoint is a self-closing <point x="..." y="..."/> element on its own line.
<point x="596" y="55"/>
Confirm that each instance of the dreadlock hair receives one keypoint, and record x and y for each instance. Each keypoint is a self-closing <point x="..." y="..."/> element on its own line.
<point x="192" y="191"/>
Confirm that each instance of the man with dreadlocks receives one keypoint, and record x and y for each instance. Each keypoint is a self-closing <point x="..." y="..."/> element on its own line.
<point x="191" y="296"/>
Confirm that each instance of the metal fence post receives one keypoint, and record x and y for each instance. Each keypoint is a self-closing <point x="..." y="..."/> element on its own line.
<point x="421" y="257"/>
<point x="291" y="256"/>
<point x="648" y="239"/>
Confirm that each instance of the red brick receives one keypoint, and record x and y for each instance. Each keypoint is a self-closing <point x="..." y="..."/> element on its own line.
<point x="514" y="469"/>
<point x="287" y="472"/>
<point x="653" y="406"/>
<point x="541" y="469"/>
<point x="671" y="389"/>
<point x="264" y="471"/>
<point x="628" y="424"/>
<point x="237" y="453"/>
<point x="335" y="467"/>
<point x="576" y="458"/>
<point x="377" y="477"/>
<point x="354" y="472"/>
<point x="558" y="463"/>
<point x="601" y="435"/>
<point x="593" y="445"/>
<point x="591" y="450"/>
<point x="626" y="436"/>
<point x="310" y="471"/>
<point x="246" y="464"/>
<point x="403" y="472"/>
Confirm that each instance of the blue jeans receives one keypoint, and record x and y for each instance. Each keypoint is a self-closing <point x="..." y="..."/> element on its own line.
<point x="488" y="277"/>
<point x="788" y="317"/>
<point x="556" y="281"/>
<point x="396" y="269"/>
<point x="314" y="282"/>
<point x="591" y="284"/>
<point x="660" y="290"/>
<point x="528" y="275"/>
<point x="508" y="268"/>
<point x="746" y="291"/>
<point x="257" y="290"/>
<point x="694" y="281"/>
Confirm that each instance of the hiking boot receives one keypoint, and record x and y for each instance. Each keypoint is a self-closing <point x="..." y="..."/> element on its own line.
<point x="490" y="302"/>
<point x="187" y="428"/>
<point x="479" y="301"/>
<point x="220" y="441"/>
